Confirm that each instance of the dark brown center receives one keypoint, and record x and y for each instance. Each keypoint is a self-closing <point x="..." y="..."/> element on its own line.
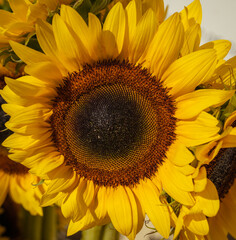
<point x="222" y="170"/>
<point x="10" y="167"/>
<point x="113" y="122"/>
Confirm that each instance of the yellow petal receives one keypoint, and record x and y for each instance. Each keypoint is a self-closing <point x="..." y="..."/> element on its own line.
<point x="192" y="14"/>
<point x="74" y="227"/>
<point x="67" y="46"/>
<point x="37" y="11"/>
<point x="41" y="71"/>
<point x="158" y="213"/>
<point x="205" y="153"/>
<point x="224" y="75"/>
<point x="12" y="98"/>
<point x="62" y="184"/>
<point x="18" y="28"/>
<point x="85" y="223"/>
<point x="18" y="141"/>
<point x="101" y="205"/>
<point x="222" y="47"/>
<point x="157" y="6"/>
<point x="47" y="163"/>
<point x="7" y="17"/>
<point x="188" y="131"/>
<point x="109" y="45"/>
<point x="49" y="199"/>
<point x="11" y="109"/>
<point x="28" y="55"/>
<point x="179" y="155"/>
<point x="191" y="104"/>
<point x="71" y="207"/>
<point x="185" y="170"/>
<point x="4" y="186"/>
<point x="19" y="7"/>
<point x="230" y="140"/>
<point x="200" y="181"/>
<point x="170" y="185"/>
<point x="142" y="36"/>
<point x="95" y="29"/>
<point x="137" y="214"/>
<point x="186" y="73"/>
<point x="115" y="23"/>
<point x="94" y="24"/>
<point x="227" y="212"/>
<point x="76" y="22"/>
<point x="30" y="115"/>
<point x="179" y="223"/>
<point x="165" y="46"/>
<point x="191" y="39"/>
<point x="46" y="38"/>
<point x="197" y="223"/>
<point x="208" y="200"/>
<point x="182" y="181"/>
<point x="120" y="211"/>
<point x="21" y="87"/>
<point x="133" y="12"/>
<point x="88" y="194"/>
<point x="229" y="121"/>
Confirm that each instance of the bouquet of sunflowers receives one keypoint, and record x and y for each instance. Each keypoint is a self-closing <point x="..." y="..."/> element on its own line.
<point x="111" y="111"/>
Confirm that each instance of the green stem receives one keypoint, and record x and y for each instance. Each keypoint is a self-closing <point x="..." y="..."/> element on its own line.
<point x="94" y="233"/>
<point x="32" y="226"/>
<point x="49" y="224"/>
<point x="106" y="232"/>
<point x="110" y="233"/>
<point x="36" y="227"/>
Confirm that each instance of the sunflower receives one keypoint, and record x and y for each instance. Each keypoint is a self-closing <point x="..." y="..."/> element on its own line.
<point x="21" y="21"/>
<point x="221" y="169"/>
<point x="217" y="163"/>
<point x="15" y="25"/>
<point x="17" y="182"/>
<point x="107" y="114"/>
<point x="224" y="222"/>
<point x="192" y="222"/>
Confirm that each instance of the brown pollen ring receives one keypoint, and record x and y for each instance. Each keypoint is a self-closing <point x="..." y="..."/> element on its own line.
<point x="145" y="96"/>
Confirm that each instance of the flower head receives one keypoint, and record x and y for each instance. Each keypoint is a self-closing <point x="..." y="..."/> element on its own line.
<point x="21" y="21"/>
<point x="107" y="113"/>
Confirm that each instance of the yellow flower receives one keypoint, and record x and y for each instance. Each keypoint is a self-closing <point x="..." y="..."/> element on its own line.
<point x="14" y="26"/>
<point x="218" y="158"/>
<point x="17" y="182"/>
<point x="225" y="220"/>
<point x="192" y="222"/>
<point x="54" y="4"/>
<point x="107" y="114"/>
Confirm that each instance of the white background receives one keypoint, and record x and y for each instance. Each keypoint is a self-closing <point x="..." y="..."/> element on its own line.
<point x="218" y="22"/>
<point x="218" y="19"/>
